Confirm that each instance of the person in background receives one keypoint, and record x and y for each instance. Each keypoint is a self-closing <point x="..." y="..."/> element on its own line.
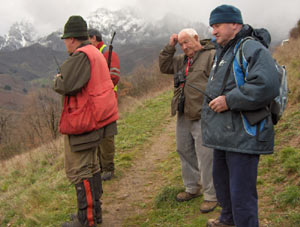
<point x="237" y="144"/>
<point x="191" y="69"/>
<point x="84" y="75"/>
<point x="106" y="149"/>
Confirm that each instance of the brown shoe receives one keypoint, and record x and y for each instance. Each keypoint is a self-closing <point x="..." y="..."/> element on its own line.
<point x="208" y="206"/>
<point x="186" y="196"/>
<point x="217" y="223"/>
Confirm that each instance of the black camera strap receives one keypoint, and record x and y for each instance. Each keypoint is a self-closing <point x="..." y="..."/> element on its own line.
<point x="181" y="98"/>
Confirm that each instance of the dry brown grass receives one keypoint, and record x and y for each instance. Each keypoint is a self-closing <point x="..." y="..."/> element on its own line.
<point x="37" y="123"/>
<point x="143" y="81"/>
<point x="52" y="149"/>
<point x="47" y="152"/>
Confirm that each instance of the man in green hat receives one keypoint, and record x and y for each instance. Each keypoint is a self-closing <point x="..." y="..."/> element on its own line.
<point x="84" y="80"/>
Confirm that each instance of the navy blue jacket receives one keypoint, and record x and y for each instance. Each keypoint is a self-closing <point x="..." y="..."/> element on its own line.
<point x="229" y="130"/>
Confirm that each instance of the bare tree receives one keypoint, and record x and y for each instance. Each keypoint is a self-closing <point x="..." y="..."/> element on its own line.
<point x="41" y="116"/>
<point x="4" y="119"/>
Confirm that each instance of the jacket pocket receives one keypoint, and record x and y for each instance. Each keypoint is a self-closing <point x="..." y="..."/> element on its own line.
<point x="220" y="123"/>
<point x="86" y="141"/>
<point x="227" y="121"/>
<point x="267" y="133"/>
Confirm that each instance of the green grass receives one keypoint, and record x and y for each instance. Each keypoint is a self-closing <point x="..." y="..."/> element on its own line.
<point x="278" y="179"/>
<point x="38" y="193"/>
<point x="164" y="210"/>
<point x="289" y="197"/>
<point x="135" y="128"/>
<point x="279" y="174"/>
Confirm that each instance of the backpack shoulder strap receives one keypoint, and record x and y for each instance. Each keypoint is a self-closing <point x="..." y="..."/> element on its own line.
<point x="237" y="47"/>
<point x="240" y="51"/>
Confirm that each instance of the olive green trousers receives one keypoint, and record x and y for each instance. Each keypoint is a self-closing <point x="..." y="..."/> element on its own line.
<point x="106" y="153"/>
<point x="80" y="165"/>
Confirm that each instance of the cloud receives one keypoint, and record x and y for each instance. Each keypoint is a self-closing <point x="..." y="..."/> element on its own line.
<point x="277" y="16"/>
<point x="48" y="16"/>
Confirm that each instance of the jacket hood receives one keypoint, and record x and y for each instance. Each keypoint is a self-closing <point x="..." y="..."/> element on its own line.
<point x="261" y="34"/>
<point x="207" y="44"/>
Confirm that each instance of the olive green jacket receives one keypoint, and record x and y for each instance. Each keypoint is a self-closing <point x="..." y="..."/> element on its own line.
<point x="197" y="76"/>
<point x="75" y="74"/>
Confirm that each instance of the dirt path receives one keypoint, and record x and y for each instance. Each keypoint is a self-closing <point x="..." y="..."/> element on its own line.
<point x="139" y="184"/>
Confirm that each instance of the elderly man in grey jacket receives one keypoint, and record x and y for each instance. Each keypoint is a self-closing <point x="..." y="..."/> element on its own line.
<point x="191" y="69"/>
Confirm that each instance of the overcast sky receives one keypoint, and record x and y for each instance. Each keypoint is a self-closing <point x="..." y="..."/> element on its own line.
<point x="49" y="15"/>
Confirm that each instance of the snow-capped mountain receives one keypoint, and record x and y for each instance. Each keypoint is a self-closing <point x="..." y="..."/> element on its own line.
<point x="130" y="27"/>
<point x="21" y="34"/>
<point x="25" y="55"/>
<point x="53" y="41"/>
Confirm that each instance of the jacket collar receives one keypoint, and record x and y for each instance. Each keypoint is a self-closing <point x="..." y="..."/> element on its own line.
<point x="99" y="45"/>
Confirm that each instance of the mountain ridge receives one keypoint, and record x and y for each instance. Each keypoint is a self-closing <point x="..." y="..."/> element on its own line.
<point x="130" y="27"/>
<point x="137" y="41"/>
<point x="28" y="57"/>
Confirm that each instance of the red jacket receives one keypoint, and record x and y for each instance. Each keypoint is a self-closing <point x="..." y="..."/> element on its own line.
<point x="95" y="105"/>
<point x="114" y="64"/>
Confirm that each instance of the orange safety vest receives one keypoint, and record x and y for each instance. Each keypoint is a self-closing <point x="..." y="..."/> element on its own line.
<point x="95" y="106"/>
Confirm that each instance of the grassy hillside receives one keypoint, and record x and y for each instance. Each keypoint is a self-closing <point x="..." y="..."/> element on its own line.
<point x="35" y="192"/>
<point x="279" y="174"/>
<point x="33" y="188"/>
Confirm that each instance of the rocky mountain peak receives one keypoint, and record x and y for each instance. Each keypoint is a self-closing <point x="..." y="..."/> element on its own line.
<point x="131" y="28"/>
<point x="21" y="34"/>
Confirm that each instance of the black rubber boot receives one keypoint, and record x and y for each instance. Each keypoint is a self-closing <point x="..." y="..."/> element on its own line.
<point x="98" y="193"/>
<point x="97" y="184"/>
<point x="86" y="215"/>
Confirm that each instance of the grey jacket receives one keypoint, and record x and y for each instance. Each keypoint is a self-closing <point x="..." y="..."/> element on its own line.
<point x="197" y="76"/>
<point x="229" y="130"/>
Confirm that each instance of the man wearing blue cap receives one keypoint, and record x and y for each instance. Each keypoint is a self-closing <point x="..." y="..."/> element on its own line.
<point x="236" y="141"/>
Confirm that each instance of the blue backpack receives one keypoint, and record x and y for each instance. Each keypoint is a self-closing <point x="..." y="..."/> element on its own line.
<point x="278" y="104"/>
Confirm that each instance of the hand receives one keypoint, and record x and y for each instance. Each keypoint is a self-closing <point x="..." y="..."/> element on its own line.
<point x="219" y="104"/>
<point x="56" y="77"/>
<point x="173" y="40"/>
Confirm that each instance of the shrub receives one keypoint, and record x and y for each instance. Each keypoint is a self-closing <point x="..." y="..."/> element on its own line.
<point x="143" y="81"/>
<point x="7" y="87"/>
<point x="295" y="32"/>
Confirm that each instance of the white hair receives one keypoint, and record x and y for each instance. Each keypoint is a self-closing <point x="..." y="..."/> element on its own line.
<point x="190" y="31"/>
